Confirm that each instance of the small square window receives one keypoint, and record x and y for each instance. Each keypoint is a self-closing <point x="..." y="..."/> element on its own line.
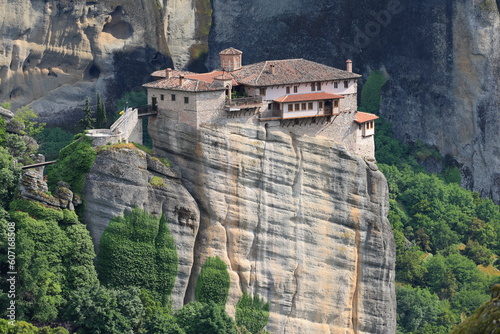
<point x="288" y="90"/>
<point x="303" y="106"/>
<point x="346" y="84"/>
<point x="295" y="89"/>
<point x="297" y="106"/>
<point x="318" y="86"/>
<point x="173" y="97"/>
<point x="335" y="84"/>
<point x="310" y="106"/>
<point x="313" y="87"/>
<point x="290" y="107"/>
<point x="186" y="99"/>
<point x="162" y="97"/>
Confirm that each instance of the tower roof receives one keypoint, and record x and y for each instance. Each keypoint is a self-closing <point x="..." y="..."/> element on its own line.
<point x="231" y="51"/>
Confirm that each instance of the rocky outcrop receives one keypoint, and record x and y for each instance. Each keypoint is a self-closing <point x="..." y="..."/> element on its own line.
<point x="486" y="319"/>
<point x="441" y="60"/>
<point x="33" y="186"/>
<point x="56" y="53"/>
<point x="299" y="221"/>
<point x="124" y="177"/>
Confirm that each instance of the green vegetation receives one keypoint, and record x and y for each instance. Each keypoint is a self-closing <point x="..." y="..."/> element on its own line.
<point x="101" y="117"/>
<point x="213" y="282"/>
<point x="138" y="250"/>
<point x="205" y="318"/>
<point x="53" y="259"/>
<point x="252" y="313"/>
<point x="22" y="327"/>
<point x="87" y="122"/>
<point x="132" y="99"/>
<point x="27" y="117"/>
<point x="74" y="162"/>
<point x="485" y="319"/>
<point x="52" y="140"/>
<point x="97" y="309"/>
<point x="157" y="182"/>
<point x="442" y="231"/>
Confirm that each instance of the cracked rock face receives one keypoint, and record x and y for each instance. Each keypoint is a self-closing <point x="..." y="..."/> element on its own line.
<point x="299" y="221"/>
<point x="441" y="59"/>
<point x="121" y="179"/>
<point x="56" y="53"/>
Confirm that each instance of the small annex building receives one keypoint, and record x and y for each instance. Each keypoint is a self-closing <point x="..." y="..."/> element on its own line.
<point x="294" y="93"/>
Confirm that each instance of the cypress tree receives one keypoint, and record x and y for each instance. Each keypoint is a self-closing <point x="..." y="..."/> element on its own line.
<point x="87" y="121"/>
<point x="101" y="118"/>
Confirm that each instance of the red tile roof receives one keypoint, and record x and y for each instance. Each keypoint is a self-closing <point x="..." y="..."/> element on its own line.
<point x="363" y="117"/>
<point x="308" y="97"/>
<point x="288" y="71"/>
<point x="230" y="51"/>
<point x="209" y="77"/>
<point x="174" y="73"/>
<point x="189" y="85"/>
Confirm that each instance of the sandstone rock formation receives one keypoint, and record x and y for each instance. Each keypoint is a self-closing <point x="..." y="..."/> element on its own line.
<point x="441" y="59"/>
<point x="56" y="53"/>
<point x="121" y="179"/>
<point x="299" y="220"/>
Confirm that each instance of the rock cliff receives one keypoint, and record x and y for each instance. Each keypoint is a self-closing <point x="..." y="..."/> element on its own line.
<point x="299" y="221"/>
<point x="440" y="58"/>
<point x="122" y="178"/>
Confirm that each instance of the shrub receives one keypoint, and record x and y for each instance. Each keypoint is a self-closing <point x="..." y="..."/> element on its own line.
<point x="213" y="282"/>
<point x="37" y="210"/>
<point x="138" y="250"/>
<point x="253" y="313"/>
<point x="74" y="162"/>
<point x="101" y="310"/>
<point x="208" y="318"/>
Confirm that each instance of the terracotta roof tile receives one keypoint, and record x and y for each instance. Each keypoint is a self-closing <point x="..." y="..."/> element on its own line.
<point x="363" y="117"/>
<point x="209" y="77"/>
<point x="174" y="73"/>
<point x="288" y="71"/>
<point x="189" y="85"/>
<point x="230" y="51"/>
<point x="308" y="97"/>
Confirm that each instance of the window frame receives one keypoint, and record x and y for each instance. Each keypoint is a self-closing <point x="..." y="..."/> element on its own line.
<point x="172" y="97"/>
<point x="186" y="99"/>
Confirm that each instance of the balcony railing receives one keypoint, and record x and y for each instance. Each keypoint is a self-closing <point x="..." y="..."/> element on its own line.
<point x="243" y="102"/>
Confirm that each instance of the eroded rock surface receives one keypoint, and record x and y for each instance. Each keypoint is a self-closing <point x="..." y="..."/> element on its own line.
<point x="299" y="220"/>
<point x="123" y="178"/>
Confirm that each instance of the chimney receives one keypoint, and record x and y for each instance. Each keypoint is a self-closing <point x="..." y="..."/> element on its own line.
<point x="168" y="73"/>
<point x="349" y="65"/>
<point x="181" y="80"/>
<point x="272" y="69"/>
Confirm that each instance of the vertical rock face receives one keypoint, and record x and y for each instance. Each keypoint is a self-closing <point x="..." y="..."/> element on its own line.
<point x="441" y="58"/>
<point x="121" y="179"/>
<point x="299" y="220"/>
<point x="58" y="52"/>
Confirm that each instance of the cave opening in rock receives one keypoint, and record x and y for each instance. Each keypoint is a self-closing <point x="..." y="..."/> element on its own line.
<point x="93" y="72"/>
<point x="117" y="26"/>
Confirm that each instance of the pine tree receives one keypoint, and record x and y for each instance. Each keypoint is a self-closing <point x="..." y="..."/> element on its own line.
<point x="101" y="113"/>
<point x="87" y="121"/>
